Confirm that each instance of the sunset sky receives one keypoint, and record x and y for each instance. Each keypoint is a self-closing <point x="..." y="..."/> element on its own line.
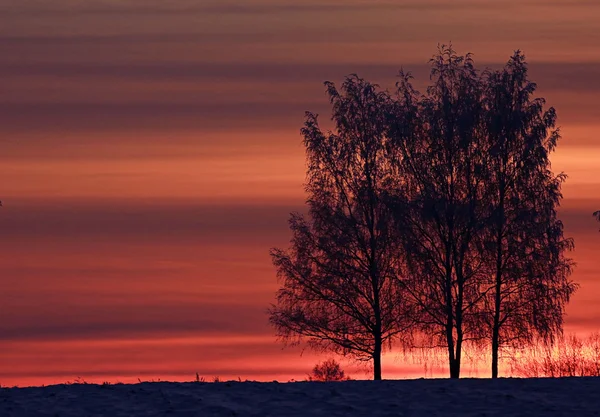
<point x="150" y="154"/>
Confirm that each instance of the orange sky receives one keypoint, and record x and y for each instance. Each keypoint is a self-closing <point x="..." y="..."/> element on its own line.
<point x="150" y="154"/>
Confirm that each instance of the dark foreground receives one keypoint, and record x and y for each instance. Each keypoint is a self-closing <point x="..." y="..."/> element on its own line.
<point x="468" y="397"/>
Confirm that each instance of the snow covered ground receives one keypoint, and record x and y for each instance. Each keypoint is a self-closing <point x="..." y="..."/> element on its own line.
<point x="467" y="397"/>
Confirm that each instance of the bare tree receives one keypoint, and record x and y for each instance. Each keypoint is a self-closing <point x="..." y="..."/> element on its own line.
<point x="524" y="247"/>
<point x="437" y="138"/>
<point x="340" y="286"/>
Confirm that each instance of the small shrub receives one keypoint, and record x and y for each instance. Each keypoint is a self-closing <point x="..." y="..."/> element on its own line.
<point x="328" y="370"/>
<point x="568" y="357"/>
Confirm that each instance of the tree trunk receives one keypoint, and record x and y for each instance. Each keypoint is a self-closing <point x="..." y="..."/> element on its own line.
<point x="496" y="325"/>
<point x="498" y="289"/>
<point x="452" y="362"/>
<point x="377" y="360"/>
<point x="458" y="356"/>
<point x="495" y="346"/>
<point x="378" y="342"/>
<point x="459" y="329"/>
<point x="455" y="368"/>
<point x="454" y="351"/>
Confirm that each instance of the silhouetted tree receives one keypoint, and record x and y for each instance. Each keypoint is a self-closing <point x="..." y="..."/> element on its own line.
<point x="328" y="370"/>
<point x="438" y="138"/>
<point x="340" y="281"/>
<point x="524" y="249"/>
<point x="438" y="210"/>
<point x="597" y="215"/>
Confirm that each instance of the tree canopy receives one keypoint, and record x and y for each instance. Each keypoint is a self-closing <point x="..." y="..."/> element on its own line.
<point x="340" y="289"/>
<point x="432" y="218"/>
